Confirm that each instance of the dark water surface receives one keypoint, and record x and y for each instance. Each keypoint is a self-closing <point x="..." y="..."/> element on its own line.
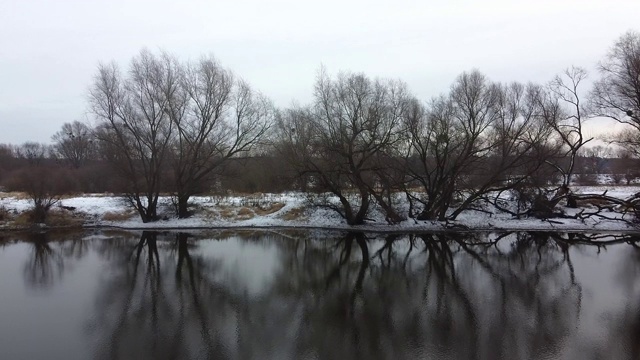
<point x="319" y="295"/>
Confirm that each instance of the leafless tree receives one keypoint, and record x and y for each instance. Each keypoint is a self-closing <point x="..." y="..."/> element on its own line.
<point x="616" y="95"/>
<point x="33" y="152"/>
<point x="216" y="117"/>
<point x="74" y="143"/>
<point x="337" y="141"/>
<point x="7" y="161"/>
<point x="44" y="185"/>
<point x="136" y="113"/>
<point x="626" y="165"/>
<point x="7" y="152"/>
<point x="594" y="160"/>
<point x="565" y="114"/>
<point x="479" y="138"/>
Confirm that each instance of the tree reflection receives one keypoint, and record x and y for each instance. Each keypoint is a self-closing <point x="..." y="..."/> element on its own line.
<point x="159" y="303"/>
<point x="49" y="253"/>
<point x="531" y="301"/>
<point x="43" y="263"/>
<point x="428" y="294"/>
<point x="623" y="341"/>
<point x="471" y="296"/>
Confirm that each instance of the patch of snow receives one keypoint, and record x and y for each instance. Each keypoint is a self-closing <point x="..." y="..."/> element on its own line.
<point x="208" y="209"/>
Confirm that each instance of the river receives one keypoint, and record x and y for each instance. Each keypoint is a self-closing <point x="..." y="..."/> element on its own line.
<point x="319" y="295"/>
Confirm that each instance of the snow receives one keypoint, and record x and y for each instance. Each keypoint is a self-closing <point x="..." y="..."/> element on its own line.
<point x="95" y="205"/>
<point x="226" y="212"/>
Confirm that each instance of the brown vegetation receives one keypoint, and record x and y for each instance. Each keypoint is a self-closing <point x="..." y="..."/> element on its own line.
<point x="268" y="209"/>
<point x="118" y="216"/>
<point x="294" y="214"/>
<point x="5" y="215"/>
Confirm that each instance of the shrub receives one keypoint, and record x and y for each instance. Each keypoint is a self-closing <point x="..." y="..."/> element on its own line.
<point x="5" y="215"/>
<point x="44" y="185"/>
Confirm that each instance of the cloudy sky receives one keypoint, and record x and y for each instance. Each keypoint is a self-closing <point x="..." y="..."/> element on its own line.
<point x="49" y="49"/>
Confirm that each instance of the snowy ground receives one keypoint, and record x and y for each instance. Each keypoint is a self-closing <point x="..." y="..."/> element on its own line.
<point x="293" y="210"/>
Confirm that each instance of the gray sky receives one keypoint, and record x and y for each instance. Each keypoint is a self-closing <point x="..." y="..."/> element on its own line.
<point x="49" y="49"/>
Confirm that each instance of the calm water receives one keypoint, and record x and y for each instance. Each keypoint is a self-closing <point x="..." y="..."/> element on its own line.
<point x="318" y="295"/>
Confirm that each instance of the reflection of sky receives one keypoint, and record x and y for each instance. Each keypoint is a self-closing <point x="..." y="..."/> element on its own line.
<point x="249" y="265"/>
<point x="45" y="320"/>
<point x="602" y="295"/>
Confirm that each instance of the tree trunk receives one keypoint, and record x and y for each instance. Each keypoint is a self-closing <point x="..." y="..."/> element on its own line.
<point x="348" y="212"/>
<point x="153" y="260"/>
<point x="425" y="215"/>
<point x="364" y="208"/>
<point x="148" y="214"/>
<point x="39" y="214"/>
<point x="391" y="215"/>
<point x="183" y="206"/>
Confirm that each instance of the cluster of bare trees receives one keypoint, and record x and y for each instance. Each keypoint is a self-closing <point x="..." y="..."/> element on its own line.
<point x="172" y="127"/>
<point x="179" y="119"/>
<point x="345" y="141"/>
<point x="366" y="140"/>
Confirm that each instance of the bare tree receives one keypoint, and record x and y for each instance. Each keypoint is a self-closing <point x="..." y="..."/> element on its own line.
<point x="7" y="161"/>
<point x="337" y="141"/>
<point x="216" y="117"/>
<point x="594" y="160"/>
<point x="626" y="165"/>
<point x="616" y="95"/>
<point x="478" y="139"/>
<point x="35" y="153"/>
<point x="74" y="143"/>
<point x="44" y="186"/>
<point x="565" y="114"/>
<point x="135" y="113"/>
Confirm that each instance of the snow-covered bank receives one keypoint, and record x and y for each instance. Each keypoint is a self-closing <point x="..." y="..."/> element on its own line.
<point x="291" y="210"/>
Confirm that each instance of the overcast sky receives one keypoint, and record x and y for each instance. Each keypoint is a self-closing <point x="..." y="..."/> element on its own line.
<point x="49" y="49"/>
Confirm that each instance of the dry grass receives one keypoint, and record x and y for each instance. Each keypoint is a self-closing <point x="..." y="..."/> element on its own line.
<point x="23" y="219"/>
<point x="207" y="212"/>
<point x="5" y="215"/>
<point x="234" y="213"/>
<point x="60" y="218"/>
<point x="226" y="212"/>
<point x="16" y="195"/>
<point x="55" y="218"/>
<point x="270" y="209"/>
<point x="244" y="213"/>
<point x="70" y="195"/>
<point x="294" y="214"/>
<point x="118" y="216"/>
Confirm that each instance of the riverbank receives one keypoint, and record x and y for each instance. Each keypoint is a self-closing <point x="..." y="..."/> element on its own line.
<point x="293" y="210"/>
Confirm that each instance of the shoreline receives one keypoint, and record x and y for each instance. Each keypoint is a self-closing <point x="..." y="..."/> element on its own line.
<point x="345" y="228"/>
<point x="292" y="211"/>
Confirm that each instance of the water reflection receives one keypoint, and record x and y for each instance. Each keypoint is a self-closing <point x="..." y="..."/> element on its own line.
<point x="428" y="294"/>
<point x="48" y="256"/>
<point x="157" y="302"/>
<point x="623" y="333"/>
<point x="354" y="295"/>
